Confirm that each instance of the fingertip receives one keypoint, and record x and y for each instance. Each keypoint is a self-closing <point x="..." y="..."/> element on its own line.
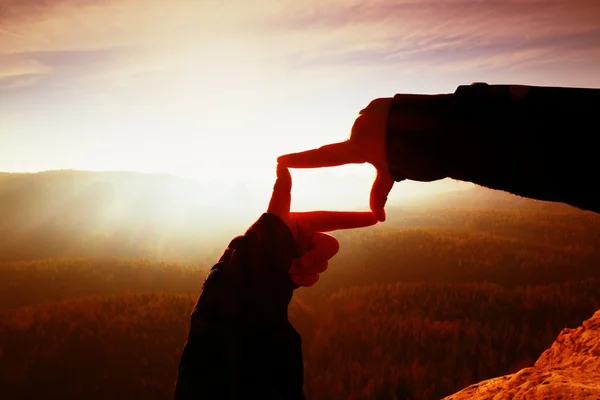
<point x="284" y="178"/>
<point x="380" y="214"/>
<point x="281" y="197"/>
<point x="379" y="193"/>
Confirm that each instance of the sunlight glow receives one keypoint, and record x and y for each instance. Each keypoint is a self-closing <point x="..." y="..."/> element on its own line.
<point x="216" y="90"/>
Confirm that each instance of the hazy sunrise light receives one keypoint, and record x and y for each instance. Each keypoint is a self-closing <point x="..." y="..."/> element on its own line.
<point x="216" y="90"/>
<point x="147" y="253"/>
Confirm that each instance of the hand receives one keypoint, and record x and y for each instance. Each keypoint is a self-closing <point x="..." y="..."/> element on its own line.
<point x="366" y="144"/>
<point x="315" y="247"/>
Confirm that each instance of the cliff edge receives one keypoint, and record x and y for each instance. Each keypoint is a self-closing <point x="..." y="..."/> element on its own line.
<point x="569" y="369"/>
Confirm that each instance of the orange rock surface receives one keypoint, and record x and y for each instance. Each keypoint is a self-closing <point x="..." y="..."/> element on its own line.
<point x="569" y="369"/>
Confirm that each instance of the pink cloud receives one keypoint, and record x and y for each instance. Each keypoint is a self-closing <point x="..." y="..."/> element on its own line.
<point x="347" y="36"/>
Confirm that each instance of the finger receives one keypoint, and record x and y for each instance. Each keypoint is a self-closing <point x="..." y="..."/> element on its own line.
<point x="305" y="280"/>
<point x="316" y="268"/>
<point x="296" y="267"/>
<point x="379" y="193"/>
<point x="330" y="155"/>
<point x="322" y="248"/>
<point x="327" y="221"/>
<point x="282" y="194"/>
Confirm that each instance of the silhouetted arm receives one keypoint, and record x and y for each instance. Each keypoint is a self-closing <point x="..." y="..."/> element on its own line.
<point x="536" y="142"/>
<point x="241" y="344"/>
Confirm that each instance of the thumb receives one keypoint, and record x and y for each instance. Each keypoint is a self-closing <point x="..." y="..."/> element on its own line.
<point x="281" y="197"/>
<point x="379" y="193"/>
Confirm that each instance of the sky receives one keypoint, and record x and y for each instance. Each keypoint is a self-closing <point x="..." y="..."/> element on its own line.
<point x="217" y="89"/>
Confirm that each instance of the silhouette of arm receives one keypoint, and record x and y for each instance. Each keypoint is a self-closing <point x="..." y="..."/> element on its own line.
<point x="536" y="142"/>
<point x="241" y="344"/>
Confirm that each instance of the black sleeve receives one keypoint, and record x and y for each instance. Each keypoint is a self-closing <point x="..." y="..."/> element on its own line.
<point x="241" y="344"/>
<point x="536" y="142"/>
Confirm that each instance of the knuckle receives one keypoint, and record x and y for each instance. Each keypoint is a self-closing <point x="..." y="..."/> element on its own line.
<point x="312" y="280"/>
<point x="318" y="267"/>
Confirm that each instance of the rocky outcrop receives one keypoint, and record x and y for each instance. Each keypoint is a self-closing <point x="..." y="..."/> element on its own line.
<point x="569" y="369"/>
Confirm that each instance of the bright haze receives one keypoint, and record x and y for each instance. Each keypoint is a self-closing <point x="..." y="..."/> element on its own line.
<point x="217" y="89"/>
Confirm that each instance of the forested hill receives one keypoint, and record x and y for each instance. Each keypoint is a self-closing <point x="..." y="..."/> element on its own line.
<point x="450" y="290"/>
<point x="481" y="197"/>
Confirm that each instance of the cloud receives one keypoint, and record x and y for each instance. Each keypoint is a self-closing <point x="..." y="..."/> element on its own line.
<point x="54" y="70"/>
<point x="317" y="41"/>
<point x="21" y="65"/>
<point x="91" y="78"/>
<point x="448" y="33"/>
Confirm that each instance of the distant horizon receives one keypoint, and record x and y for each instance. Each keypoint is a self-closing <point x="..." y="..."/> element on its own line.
<point x="350" y="191"/>
<point x="218" y="90"/>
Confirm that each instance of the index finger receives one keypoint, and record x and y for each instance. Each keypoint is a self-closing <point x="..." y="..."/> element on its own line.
<point x="281" y="198"/>
<point x="330" y="155"/>
<point x="327" y="221"/>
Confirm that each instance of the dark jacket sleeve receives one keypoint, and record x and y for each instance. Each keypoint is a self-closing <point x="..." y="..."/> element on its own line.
<point x="536" y="142"/>
<point x="241" y="344"/>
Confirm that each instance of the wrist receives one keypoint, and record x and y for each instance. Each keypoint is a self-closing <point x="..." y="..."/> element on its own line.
<point x="234" y="297"/>
<point x="419" y="137"/>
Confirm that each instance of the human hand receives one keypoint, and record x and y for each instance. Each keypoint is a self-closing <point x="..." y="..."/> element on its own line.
<point x="315" y="247"/>
<point x="418" y="151"/>
<point x="366" y="144"/>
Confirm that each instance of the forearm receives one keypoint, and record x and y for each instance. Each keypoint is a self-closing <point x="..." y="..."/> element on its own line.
<point x="535" y="142"/>
<point x="240" y="342"/>
<point x="210" y="361"/>
<point x="227" y="356"/>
